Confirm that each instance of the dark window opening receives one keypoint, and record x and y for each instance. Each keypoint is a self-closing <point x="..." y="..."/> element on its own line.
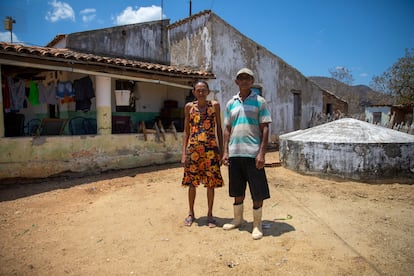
<point x="329" y="109"/>
<point x="297" y="104"/>
<point x="376" y="118"/>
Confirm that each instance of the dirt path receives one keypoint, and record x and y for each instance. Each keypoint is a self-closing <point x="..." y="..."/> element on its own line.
<point x="131" y="222"/>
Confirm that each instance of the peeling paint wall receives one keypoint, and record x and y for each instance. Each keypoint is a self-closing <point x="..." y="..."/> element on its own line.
<point x="210" y="42"/>
<point x="44" y="156"/>
<point x="144" y="41"/>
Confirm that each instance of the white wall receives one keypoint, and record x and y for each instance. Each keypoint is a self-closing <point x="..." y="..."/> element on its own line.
<point x="385" y="114"/>
<point x="151" y="97"/>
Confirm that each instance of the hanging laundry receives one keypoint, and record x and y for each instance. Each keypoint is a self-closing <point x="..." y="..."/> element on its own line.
<point x="64" y="91"/>
<point x="34" y="93"/>
<point x="17" y="93"/>
<point x="84" y="92"/>
<point x="6" y="94"/>
<point x="47" y="93"/>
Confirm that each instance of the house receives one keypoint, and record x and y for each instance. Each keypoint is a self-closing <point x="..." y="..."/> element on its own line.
<point x="54" y="150"/>
<point x="390" y="115"/>
<point x="208" y="41"/>
<point x="149" y="67"/>
<point x="398" y="117"/>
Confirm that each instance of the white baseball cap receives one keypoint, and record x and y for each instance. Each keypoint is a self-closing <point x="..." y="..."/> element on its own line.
<point x="245" y="71"/>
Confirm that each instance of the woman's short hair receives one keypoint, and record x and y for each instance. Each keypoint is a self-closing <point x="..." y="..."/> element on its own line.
<point x="201" y="81"/>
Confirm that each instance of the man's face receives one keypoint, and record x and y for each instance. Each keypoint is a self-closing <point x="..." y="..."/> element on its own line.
<point x="244" y="81"/>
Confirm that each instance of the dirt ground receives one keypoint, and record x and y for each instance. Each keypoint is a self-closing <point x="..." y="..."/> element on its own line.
<point x="131" y="222"/>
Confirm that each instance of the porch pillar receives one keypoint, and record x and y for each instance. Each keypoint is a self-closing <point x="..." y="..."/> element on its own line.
<point x="2" y="131"/>
<point x="103" y="105"/>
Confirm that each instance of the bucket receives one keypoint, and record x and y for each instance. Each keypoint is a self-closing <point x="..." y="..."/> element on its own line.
<point x="122" y="97"/>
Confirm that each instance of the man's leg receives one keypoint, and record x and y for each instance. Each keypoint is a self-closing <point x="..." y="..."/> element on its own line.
<point x="257" y="232"/>
<point x="238" y="214"/>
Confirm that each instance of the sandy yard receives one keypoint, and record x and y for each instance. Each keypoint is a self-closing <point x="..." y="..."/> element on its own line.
<point x="131" y="223"/>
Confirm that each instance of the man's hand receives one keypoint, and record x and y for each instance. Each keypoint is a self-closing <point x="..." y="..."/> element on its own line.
<point x="260" y="161"/>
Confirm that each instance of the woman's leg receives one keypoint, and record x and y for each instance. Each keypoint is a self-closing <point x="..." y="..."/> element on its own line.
<point x="210" y="201"/>
<point x="191" y="199"/>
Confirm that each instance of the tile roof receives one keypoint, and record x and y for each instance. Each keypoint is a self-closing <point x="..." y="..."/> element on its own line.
<point x="66" y="55"/>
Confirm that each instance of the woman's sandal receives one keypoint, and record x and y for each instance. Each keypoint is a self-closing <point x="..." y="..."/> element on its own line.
<point x="189" y="220"/>
<point x="211" y="222"/>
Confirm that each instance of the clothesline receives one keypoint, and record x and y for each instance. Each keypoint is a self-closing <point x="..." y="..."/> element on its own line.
<point x="16" y="96"/>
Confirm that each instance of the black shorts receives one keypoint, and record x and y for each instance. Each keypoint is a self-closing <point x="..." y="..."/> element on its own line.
<point x="242" y="170"/>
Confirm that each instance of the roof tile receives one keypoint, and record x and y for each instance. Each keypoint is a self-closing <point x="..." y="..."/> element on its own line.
<point x="63" y="53"/>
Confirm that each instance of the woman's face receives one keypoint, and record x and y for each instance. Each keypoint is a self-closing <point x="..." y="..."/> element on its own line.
<point x="200" y="91"/>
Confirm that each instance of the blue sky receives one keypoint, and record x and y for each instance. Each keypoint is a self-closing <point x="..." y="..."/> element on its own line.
<point x="364" y="36"/>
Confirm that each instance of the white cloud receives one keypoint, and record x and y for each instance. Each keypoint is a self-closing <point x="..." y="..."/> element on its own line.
<point x="142" y="14"/>
<point x="86" y="11"/>
<point x="88" y="15"/>
<point x="363" y="75"/>
<point x="5" y="37"/>
<point x="60" y="11"/>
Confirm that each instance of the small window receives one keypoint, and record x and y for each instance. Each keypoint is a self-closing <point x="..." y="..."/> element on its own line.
<point x="297" y="103"/>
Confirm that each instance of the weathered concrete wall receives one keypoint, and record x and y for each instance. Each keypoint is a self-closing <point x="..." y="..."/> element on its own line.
<point x="191" y="43"/>
<point x="144" y="41"/>
<point x="349" y="161"/>
<point x="44" y="156"/>
<point x="210" y="42"/>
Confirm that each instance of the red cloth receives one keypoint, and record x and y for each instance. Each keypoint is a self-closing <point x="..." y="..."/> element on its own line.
<point x="6" y="93"/>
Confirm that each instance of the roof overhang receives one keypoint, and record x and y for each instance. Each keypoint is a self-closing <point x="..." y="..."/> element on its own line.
<point x="43" y="58"/>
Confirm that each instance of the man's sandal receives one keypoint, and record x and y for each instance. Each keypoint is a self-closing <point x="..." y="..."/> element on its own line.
<point x="189" y="220"/>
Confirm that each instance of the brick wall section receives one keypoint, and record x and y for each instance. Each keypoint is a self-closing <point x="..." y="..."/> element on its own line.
<point x="337" y="104"/>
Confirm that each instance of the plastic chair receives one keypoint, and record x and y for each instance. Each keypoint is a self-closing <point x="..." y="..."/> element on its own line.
<point x="90" y="126"/>
<point x="32" y="126"/>
<point x="52" y="126"/>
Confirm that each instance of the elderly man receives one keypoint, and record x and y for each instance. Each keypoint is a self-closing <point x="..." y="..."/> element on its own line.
<point x="246" y="121"/>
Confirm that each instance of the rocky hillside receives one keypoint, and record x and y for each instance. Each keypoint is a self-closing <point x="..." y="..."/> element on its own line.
<point x="357" y="96"/>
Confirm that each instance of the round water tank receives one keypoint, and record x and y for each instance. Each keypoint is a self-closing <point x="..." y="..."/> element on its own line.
<point x="349" y="148"/>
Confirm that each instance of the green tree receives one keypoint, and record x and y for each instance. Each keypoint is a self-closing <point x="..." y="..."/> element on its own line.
<point x="398" y="80"/>
<point x="342" y="74"/>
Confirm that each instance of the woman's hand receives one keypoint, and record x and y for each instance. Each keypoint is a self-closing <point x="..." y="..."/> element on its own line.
<point x="225" y="159"/>
<point x="184" y="160"/>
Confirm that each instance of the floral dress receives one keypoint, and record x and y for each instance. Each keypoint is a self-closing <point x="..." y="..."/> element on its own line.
<point x="202" y="149"/>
